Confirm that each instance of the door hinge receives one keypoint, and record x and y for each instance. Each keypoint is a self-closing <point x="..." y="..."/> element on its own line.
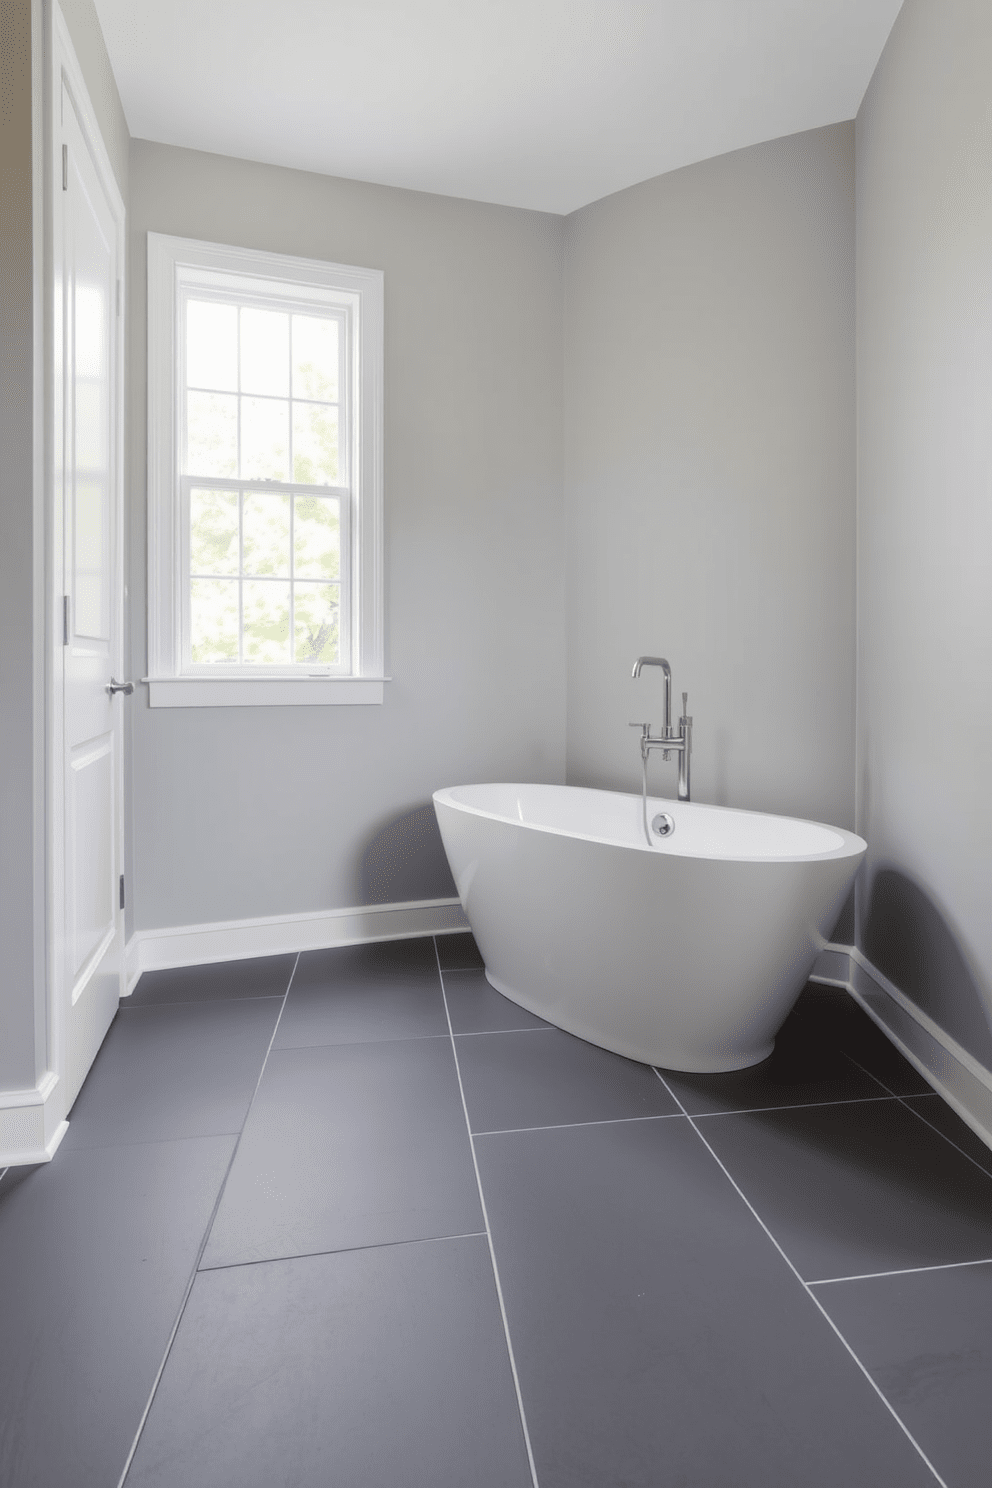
<point x="65" y="167"/>
<point x="65" y="619"/>
<point x="122" y="891"/>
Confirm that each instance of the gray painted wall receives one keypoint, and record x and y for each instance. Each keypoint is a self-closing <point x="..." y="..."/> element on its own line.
<point x="924" y="163"/>
<point x="710" y="474"/>
<point x="264" y="811"/>
<point x="19" y="598"/>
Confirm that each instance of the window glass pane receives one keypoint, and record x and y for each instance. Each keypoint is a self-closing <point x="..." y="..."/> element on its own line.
<point x="212" y="346"/>
<point x="213" y="620"/>
<point x="264" y="439"/>
<point x="316" y="617"/>
<point x="315" y="444"/>
<point x="266" y="534"/>
<point x="315" y="358"/>
<point x="317" y="538"/>
<point x="265" y="352"/>
<point x="266" y="607"/>
<point x="213" y="532"/>
<point x="211" y="434"/>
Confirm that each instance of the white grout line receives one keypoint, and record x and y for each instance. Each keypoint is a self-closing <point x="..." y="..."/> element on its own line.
<point x="874" y="1078"/>
<point x="806" y="1288"/>
<point x="857" y="1100"/>
<point x="304" y="1255"/>
<point x="489" y="1237"/>
<point x="858" y="1065"/>
<point x="486" y="1032"/>
<point x="203" y="1243"/>
<point x="905" y="1271"/>
<point x="904" y="1100"/>
<point x="512" y="1131"/>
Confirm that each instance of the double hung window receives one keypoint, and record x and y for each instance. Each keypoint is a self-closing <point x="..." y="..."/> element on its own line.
<point x="265" y="391"/>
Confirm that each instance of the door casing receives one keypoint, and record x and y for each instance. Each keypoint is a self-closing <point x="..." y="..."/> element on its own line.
<point x="77" y="1023"/>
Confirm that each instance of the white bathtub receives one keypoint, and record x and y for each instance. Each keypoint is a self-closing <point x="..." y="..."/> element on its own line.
<point x="688" y="953"/>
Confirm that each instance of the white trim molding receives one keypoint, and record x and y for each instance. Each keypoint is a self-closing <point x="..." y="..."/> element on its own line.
<point x="956" y="1075"/>
<point x="267" y="692"/>
<point x="31" y="1123"/>
<point x="178" y="267"/>
<point x="233" y="940"/>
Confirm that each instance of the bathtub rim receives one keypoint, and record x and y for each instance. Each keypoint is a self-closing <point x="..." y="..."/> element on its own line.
<point x="851" y="845"/>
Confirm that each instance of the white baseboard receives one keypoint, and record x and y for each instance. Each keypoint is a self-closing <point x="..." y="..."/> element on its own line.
<point x="234" y="940"/>
<point x="31" y="1124"/>
<point x="955" y="1074"/>
<point x="31" y="1120"/>
<point x="26" y="1116"/>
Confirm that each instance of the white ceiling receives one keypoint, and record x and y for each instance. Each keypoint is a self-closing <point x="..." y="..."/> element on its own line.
<point x="548" y="104"/>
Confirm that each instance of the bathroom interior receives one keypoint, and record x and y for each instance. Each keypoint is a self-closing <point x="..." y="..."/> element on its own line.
<point x="329" y="1209"/>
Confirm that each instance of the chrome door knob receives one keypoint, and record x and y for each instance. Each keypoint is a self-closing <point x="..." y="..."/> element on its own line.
<point x="125" y="687"/>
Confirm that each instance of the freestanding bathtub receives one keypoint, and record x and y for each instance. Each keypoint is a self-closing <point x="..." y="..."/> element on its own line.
<point x="688" y="953"/>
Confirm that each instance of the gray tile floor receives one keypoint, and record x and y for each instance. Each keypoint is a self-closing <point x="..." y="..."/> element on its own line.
<point x="353" y="1220"/>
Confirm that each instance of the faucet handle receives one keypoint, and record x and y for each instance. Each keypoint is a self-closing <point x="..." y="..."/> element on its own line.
<point x="685" y="701"/>
<point x="645" y="728"/>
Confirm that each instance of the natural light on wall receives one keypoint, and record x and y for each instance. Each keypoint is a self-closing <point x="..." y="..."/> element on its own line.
<point x="264" y="469"/>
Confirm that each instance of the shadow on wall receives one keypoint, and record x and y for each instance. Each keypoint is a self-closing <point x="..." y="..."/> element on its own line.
<point x="406" y="860"/>
<point x="910" y="942"/>
<point x="843" y="931"/>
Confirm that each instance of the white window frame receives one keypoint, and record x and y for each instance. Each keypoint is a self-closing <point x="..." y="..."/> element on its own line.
<point x="177" y="266"/>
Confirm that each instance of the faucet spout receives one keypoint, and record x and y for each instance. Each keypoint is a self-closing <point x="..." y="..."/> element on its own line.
<point x="659" y="661"/>
<point x="668" y="741"/>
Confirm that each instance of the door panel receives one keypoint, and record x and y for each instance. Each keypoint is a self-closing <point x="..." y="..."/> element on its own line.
<point x="92" y="929"/>
<point x="89" y="816"/>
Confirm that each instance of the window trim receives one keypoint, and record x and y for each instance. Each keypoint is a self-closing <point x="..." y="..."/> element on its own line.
<point x="174" y="264"/>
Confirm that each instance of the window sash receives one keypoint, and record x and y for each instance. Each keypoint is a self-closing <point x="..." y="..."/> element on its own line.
<point x="242" y="668"/>
<point x="344" y="318"/>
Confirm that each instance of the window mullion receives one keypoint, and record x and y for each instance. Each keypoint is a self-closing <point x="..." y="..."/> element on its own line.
<point x="241" y="578"/>
<point x="292" y="504"/>
<point x="185" y="566"/>
<point x="292" y="576"/>
<point x="241" y="518"/>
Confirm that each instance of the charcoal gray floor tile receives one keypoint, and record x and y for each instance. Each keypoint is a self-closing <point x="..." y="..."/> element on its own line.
<point x="925" y="1340"/>
<point x="177" y="1070"/>
<point x="381" y="1368"/>
<point x="376" y="958"/>
<point x="259" y="976"/>
<point x="458" y="952"/>
<point x="549" y="1078"/>
<point x="347" y="1145"/>
<point x="659" y="1337"/>
<point x="476" y="1007"/>
<point x="856" y="1188"/>
<point x="938" y="1113"/>
<point x="832" y="1018"/>
<point x="806" y="1065"/>
<point x="97" y="1249"/>
<point x="356" y="1010"/>
<point x="11" y="1176"/>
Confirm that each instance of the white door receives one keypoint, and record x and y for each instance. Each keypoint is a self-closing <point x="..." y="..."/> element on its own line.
<point x="89" y="939"/>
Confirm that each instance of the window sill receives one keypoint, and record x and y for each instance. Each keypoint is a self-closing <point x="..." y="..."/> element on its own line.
<point x="261" y="692"/>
